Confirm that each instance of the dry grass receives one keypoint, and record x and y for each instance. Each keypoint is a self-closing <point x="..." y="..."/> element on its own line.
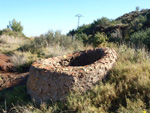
<point x="22" y="60"/>
<point x="57" y="50"/>
<point x="13" y="40"/>
<point x="10" y="43"/>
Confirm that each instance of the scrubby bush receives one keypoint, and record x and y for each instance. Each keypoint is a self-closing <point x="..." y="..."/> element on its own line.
<point x="148" y="17"/>
<point x="103" y="21"/>
<point x="22" y="60"/>
<point x="9" y="32"/>
<point x="115" y="22"/>
<point x="51" y="39"/>
<point x="137" y="24"/>
<point x="99" y="38"/>
<point x="82" y="37"/>
<point x="141" y="37"/>
<point x="13" y="40"/>
<point x="10" y="43"/>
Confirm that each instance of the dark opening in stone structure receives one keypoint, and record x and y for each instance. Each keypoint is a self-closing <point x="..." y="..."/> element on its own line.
<point x="83" y="58"/>
<point x="86" y="58"/>
<point x="54" y="78"/>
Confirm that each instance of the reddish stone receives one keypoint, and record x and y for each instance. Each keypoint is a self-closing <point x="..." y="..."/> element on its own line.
<point x="5" y="63"/>
<point x="48" y="67"/>
<point x="70" y="55"/>
<point x="73" y="74"/>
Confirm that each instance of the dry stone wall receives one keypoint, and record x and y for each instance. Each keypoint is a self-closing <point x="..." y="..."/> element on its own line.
<point x="53" y="78"/>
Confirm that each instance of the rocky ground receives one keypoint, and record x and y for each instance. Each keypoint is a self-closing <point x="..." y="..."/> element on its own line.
<point x="9" y="78"/>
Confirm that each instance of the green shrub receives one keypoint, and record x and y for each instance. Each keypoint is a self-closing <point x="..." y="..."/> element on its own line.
<point x="13" y="29"/>
<point x="82" y="37"/>
<point x="141" y="37"/>
<point x="115" y="22"/>
<point x="148" y="17"/>
<point x="99" y="38"/>
<point x="103" y="21"/>
<point x="9" y="32"/>
<point x="15" y="26"/>
<point x="51" y="39"/>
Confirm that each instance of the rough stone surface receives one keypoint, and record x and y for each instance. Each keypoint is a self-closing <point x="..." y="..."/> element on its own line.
<point x="54" y="78"/>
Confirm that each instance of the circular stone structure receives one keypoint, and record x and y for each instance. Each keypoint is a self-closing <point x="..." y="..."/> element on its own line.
<point x="53" y="78"/>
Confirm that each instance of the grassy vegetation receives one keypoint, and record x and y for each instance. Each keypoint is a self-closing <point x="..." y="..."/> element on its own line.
<point x="10" y="43"/>
<point x="126" y="89"/>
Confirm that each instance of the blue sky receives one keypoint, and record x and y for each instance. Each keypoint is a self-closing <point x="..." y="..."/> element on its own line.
<point x="39" y="16"/>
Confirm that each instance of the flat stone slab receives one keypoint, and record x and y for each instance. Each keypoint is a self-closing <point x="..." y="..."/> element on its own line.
<point x="53" y="78"/>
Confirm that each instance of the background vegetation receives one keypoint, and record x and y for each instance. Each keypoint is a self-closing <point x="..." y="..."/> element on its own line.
<point x="122" y="29"/>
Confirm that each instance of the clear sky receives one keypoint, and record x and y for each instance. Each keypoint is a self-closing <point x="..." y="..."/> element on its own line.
<point x="39" y="16"/>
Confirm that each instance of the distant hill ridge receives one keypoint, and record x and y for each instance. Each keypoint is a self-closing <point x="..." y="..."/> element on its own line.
<point x="134" y="14"/>
<point x="122" y="27"/>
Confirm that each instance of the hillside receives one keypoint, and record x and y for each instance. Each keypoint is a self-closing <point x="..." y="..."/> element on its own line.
<point x="122" y="28"/>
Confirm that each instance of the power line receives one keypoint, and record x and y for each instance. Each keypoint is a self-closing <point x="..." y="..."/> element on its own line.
<point x="79" y="15"/>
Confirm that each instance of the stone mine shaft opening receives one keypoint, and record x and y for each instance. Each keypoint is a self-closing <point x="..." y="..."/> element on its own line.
<point x="54" y="78"/>
<point x="84" y="58"/>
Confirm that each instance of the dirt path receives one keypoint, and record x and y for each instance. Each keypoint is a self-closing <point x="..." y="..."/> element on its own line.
<point x="8" y="78"/>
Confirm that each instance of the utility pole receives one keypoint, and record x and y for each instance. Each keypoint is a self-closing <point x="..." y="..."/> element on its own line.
<point x="79" y="15"/>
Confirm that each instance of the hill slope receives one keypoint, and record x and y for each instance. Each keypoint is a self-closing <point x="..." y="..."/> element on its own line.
<point x="122" y="27"/>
